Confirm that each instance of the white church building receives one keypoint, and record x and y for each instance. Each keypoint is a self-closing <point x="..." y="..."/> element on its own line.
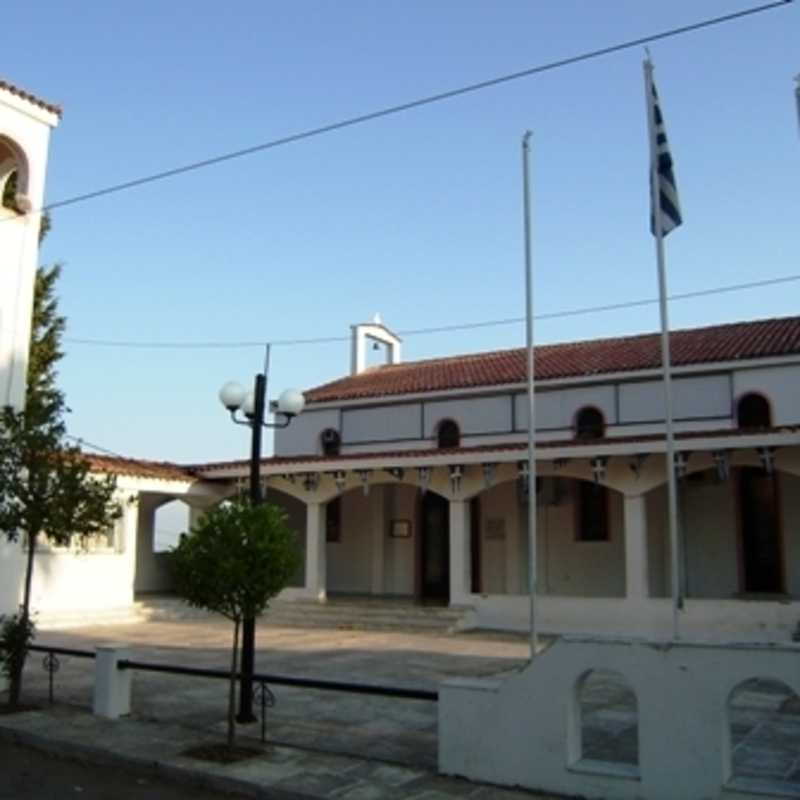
<point x="408" y="480"/>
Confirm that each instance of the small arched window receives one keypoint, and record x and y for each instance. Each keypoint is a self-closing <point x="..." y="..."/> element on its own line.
<point x="589" y="423"/>
<point x="448" y="434"/>
<point x="752" y="411"/>
<point x="331" y="442"/>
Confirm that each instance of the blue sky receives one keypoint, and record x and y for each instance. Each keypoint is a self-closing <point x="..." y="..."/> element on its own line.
<point x="417" y="216"/>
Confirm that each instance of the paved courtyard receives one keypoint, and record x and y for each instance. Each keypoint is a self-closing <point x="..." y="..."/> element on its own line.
<point x="402" y="731"/>
<point x="765" y="717"/>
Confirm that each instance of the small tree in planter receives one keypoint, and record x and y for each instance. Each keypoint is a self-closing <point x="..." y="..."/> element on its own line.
<point x="234" y="561"/>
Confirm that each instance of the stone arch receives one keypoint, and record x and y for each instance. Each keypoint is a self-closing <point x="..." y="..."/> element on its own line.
<point x="570" y="561"/>
<point x="762" y="730"/>
<point x="605" y="717"/>
<point x="13" y="161"/>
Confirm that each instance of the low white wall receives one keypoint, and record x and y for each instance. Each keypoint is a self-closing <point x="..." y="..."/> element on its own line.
<point x="756" y="620"/>
<point x="74" y="581"/>
<point x="525" y="730"/>
<point x="12" y="566"/>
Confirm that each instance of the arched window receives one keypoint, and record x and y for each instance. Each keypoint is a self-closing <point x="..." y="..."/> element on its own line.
<point x="608" y="721"/>
<point x="13" y="173"/>
<point x="752" y="411"/>
<point x="448" y="434"/>
<point x="589" y="423"/>
<point x="331" y="442"/>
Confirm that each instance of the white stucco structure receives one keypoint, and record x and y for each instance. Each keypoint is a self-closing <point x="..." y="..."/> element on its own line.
<point x="99" y="579"/>
<point x="25" y="125"/>
<point x="526" y="730"/>
<point x="412" y="515"/>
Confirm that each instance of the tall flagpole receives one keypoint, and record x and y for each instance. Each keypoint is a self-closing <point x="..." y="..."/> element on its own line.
<point x="531" y="418"/>
<point x="797" y="98"/>
<point x="672" y="488"/>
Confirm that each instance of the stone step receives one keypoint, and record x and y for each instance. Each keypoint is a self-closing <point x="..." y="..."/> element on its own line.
<point x="336" y="614"/>
<point x="60" y="620"/>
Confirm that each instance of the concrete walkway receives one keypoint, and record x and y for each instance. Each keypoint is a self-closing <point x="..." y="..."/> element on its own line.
<point x="319" y="744"/>
<point x="280" y="773"/>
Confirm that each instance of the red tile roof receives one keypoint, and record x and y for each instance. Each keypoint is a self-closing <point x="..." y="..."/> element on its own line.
<point x="740" y="340"/>
<point x="37" y="101"/>
<point x="117" y="465"/>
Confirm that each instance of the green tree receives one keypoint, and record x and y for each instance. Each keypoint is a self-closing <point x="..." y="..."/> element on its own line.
<point x="46" y="489"/>
<point x="234" y="561"/>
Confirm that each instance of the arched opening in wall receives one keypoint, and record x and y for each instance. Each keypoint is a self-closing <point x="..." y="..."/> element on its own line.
<point x="589" y="423"/>
<point x="448" y="434"/>
<point x="761" y="546"/>
<point x="13" y="174"/>
<point x="171" y="520"/>
<point x="330" y="442"/>
<point x="753" y="411"/>
<point x="764" y="737"/>
<point x="608" y="722"/>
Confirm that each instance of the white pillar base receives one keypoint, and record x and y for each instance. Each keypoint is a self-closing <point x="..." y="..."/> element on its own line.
<point x="112" y="686"/>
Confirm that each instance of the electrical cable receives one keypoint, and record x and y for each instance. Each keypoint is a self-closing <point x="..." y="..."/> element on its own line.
<point x="573" y="312"/>
<point x="396" y="109"/>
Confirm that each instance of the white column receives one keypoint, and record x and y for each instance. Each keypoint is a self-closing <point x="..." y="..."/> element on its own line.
<point x="315" y="551"/>
<point x="636" y="579"/>
<point x="459" y="552"/>
<point x="112" y="686"/>
<point x="379" y="522"/>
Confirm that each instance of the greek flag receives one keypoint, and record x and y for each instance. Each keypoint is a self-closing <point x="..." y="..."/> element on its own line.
<point x="667" y="210"/>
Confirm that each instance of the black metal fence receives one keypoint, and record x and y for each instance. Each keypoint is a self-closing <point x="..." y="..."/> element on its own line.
<point x="51" y="663"/>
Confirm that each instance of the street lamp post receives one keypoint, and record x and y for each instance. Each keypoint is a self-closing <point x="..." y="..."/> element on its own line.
<point x="252" y="405"/>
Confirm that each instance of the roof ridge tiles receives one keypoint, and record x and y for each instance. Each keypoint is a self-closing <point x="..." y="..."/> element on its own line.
<point x="705" y="344"/>
<point x="53" y="108"/>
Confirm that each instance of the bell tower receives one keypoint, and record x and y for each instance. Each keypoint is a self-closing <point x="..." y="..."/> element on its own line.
<point x="25" y="124"/>
<point x="377" y="334"/>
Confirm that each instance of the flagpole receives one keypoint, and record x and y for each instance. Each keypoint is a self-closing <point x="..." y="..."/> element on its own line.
<point x="672" y="488"/>
<point x="531" y="418"/>
<point x="797" y="98"/>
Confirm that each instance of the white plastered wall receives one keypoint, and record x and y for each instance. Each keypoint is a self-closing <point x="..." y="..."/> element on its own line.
<point x="367" y="560"/>
<point x="25" y="133"/>
<point x="525" y="730"/>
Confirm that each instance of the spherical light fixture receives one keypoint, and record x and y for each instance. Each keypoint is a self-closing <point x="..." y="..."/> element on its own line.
<point x="232" y="395"/>
<point x="291" y="402"/>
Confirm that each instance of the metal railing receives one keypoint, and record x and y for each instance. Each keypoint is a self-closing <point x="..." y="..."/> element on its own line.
<point x="51" y="663"/>
<point x="264" y="694"/>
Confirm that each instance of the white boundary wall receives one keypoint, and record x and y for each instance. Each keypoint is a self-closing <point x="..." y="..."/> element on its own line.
<point x="525" y="730"/>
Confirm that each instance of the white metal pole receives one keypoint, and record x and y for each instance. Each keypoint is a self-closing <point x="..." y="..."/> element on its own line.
<point x="797" y="98"/>
<point x="672" y="488"/>
<point x="531" y="418"/>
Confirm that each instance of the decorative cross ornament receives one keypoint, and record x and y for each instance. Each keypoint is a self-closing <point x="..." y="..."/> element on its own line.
<point x="766" y="455"/>
<point x="722" y="462"/>
<point x="363" y="475"/>
<point x="599" y="464"/>
<point x="340" y="479"/>
<point x="424" y="478"/>
<point x="456" y="473"/>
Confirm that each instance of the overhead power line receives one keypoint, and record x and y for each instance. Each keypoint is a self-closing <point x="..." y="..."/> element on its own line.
<point x="422" y="101"/>
<point x="463" y="326"/>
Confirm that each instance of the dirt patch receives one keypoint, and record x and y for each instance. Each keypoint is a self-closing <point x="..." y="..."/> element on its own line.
<point x="222" y="754"/>
<point x="21" y="708"/>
